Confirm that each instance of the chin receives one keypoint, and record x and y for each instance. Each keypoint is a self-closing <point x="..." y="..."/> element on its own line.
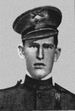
<point x="39" y="74"/>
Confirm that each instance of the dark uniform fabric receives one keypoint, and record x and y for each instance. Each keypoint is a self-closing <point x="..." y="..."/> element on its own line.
<point x="36" y="95"/>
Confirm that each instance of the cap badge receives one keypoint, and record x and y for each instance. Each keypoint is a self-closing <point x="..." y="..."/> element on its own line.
<point x="36" y="18"/>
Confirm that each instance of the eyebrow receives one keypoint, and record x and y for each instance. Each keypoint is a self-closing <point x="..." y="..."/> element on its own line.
<point x="48" y="43"/>
<point x="42" y="44"/>
<point x="37" y="44"/>
<point x="34" y="43"/>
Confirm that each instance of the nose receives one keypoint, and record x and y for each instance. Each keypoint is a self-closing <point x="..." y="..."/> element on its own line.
<point x="40" y="53"/>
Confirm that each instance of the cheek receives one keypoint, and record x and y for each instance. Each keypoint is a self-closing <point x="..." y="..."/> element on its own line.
<point x="49" y="57"/>
<point x="30" y="54"/>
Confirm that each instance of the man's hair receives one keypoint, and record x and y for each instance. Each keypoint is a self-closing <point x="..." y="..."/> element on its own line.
<point x="55" y="40"/>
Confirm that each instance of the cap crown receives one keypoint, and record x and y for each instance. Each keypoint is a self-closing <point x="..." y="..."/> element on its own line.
<point x="37" y="19"/>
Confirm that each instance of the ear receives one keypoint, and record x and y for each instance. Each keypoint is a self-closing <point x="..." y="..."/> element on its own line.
<point x="57" y="54"/>
<point x="21" y="51"/>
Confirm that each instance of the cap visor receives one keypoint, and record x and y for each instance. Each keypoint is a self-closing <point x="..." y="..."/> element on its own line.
<point x="39" y="34"/>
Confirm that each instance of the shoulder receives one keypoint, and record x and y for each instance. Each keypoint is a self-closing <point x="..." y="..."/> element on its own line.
<point x="65" y="94"/>
<point x="17" y="85"/>
<point x="66" y="98"/>
<point x="11" y="96"/>
<point x="63" y="90"/>
<point x="10" y="92"/>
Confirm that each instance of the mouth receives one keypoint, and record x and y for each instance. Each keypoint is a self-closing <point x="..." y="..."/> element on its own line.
<point x="39" y="65"/>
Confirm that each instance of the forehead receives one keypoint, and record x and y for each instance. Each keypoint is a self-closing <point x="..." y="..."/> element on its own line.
<point x="41" y="41"/>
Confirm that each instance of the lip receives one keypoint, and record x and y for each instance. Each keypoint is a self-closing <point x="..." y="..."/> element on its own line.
<point x="39" y="65"/>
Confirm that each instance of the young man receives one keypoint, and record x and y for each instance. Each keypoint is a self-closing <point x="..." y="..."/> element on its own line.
<point x="38" y="29"/>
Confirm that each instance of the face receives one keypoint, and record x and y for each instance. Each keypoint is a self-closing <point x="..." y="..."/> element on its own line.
<point x="40" y="56"/>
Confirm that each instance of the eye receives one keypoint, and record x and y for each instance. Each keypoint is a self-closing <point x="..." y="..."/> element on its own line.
<point x="34" y="45"/>
<point x="46" y="46"/>
<point x="51" y="46"/>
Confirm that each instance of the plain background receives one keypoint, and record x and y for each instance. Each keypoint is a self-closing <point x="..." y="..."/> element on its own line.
<point x="12" y="68"/>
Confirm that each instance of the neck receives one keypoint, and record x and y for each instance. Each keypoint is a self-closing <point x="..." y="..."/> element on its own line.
<point x="45" y="78"/>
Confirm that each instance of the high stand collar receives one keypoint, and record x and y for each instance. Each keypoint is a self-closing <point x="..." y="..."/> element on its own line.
<point x="35" y="84"/>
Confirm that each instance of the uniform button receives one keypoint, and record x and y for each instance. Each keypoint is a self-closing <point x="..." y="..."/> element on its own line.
<point x="39" y="95"/>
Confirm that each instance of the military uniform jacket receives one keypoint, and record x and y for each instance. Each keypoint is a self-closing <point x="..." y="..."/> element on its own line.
<point x="36" y="95"/>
